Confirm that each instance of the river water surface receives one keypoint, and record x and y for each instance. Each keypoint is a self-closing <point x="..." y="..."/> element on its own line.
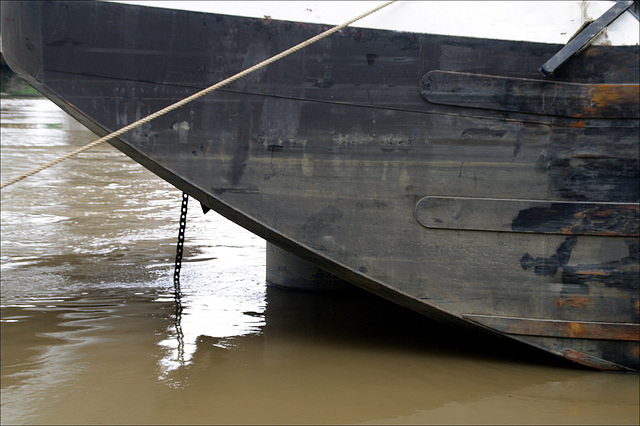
<point x="91" y="334"/>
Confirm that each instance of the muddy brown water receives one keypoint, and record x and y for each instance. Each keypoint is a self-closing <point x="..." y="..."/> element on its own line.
<point x="91" y="335"/>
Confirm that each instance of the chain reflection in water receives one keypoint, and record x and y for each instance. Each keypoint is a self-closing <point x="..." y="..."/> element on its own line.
<point x="176" y="276"/>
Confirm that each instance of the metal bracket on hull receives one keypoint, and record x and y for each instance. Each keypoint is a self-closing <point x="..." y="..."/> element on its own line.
<point x="584" y="38"/>
<point x="555" y="335"/>
<point x="557" y="328"/>
<point x="528" y="96"/>
<point x="594" y="362"/>
<point x="530" y="216"/>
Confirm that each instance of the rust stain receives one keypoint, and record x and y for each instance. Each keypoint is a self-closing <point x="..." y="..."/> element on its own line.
<point x="578" y="124"/>
<point x="577" y="329"/>
<point x="609" y="99"/>
<point x="596" y="273"/>
<point x="574" y="302"/>
<point x="604" y="94"/>
<point x="602" y="213"/>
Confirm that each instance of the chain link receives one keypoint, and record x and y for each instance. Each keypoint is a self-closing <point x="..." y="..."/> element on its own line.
<point x="180" y="247"/>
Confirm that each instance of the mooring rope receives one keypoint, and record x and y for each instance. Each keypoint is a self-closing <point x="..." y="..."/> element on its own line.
<point x="196" y="95"/>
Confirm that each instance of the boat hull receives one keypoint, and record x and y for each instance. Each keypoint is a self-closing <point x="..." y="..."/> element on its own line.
<point x="385" y="158"/>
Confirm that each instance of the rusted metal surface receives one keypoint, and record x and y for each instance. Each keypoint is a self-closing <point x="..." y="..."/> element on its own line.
<point x="522" y="95"/>
<point x="545" y="217"/>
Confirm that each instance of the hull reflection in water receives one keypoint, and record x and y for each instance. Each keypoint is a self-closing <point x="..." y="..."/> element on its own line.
<point x="89" y="327"/>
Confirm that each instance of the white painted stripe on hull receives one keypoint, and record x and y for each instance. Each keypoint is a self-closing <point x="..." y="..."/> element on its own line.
<point x="537" y="21"/>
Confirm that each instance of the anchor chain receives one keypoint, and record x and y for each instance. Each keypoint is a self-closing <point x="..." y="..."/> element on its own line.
<point x="180" y="246"/>
<point x="176" y="276"/>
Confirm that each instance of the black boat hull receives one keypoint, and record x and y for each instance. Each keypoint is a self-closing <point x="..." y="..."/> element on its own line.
<point x="388" y="159"/>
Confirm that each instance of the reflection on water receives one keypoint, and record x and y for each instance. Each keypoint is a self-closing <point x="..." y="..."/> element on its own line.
<point x="219" y="317"/>
<point x="91" y="332"/>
